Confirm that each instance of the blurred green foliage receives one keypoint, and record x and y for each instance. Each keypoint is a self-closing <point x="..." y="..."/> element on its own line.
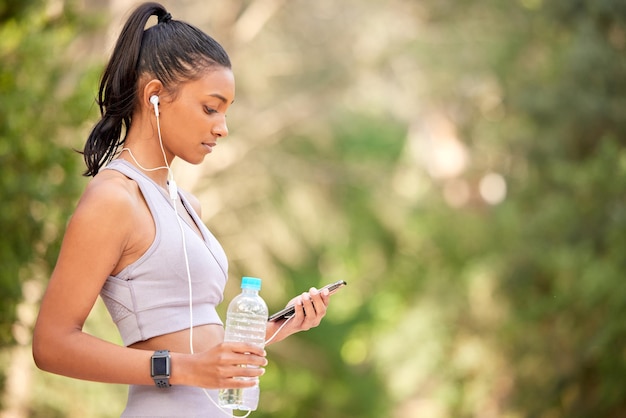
<point x="459" y="308"/>
<point x="35" y="161"/>
<point x="40" y="103"/>
<point x="507" y="310"/>
<point x="564" y="276"/>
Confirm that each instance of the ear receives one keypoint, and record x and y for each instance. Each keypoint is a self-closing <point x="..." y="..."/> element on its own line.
<point x="153" y="87"/>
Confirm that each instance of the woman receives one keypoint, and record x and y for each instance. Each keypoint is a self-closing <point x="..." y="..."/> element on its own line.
<point x="138" y="242"/>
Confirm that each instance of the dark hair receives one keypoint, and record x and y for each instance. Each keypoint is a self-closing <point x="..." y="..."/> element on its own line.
<point x="170" y="51"/>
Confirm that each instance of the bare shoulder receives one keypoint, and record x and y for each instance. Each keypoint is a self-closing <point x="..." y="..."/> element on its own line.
<point x="100" y="231"/>
<point x="108" y="200"/>
<point x="109" y="191"/>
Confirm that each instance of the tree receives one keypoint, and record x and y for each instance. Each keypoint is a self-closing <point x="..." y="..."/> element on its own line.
<point x="43" y="105"/>
<point x="460" y="165"/>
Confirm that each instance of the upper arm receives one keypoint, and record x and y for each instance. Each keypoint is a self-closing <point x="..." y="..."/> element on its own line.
<point x="94" y="241"/>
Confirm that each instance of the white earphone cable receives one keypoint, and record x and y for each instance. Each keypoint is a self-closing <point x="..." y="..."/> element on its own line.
<point x="278" y="330"/>
<point x="163" y="167"/>
<point x="173" y="192"/>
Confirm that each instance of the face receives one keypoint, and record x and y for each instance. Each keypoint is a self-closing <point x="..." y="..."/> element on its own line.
<point x="194" y="119"/>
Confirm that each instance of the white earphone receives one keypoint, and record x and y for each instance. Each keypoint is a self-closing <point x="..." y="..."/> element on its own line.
<point x="155" y="102"/>
<point x="172" y="188"/>
<point x="173" y="192"/>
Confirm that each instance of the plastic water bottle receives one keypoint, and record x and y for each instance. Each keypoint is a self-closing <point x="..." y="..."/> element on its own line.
<point x="246" y="321"/>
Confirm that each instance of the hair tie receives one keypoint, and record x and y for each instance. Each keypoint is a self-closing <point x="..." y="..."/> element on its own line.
<point x="165" y="18"/>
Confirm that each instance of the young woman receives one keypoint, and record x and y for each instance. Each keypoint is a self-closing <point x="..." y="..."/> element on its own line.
<point x="138" y="241"/>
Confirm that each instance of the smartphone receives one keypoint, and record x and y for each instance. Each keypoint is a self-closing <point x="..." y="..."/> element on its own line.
<point x="290" y="310"/>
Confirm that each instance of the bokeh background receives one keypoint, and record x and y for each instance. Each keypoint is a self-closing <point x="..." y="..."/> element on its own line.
<point x="460" y="164"/>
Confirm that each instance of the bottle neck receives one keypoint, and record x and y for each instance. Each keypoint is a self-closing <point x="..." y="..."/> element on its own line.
<point x="248" y="291"/>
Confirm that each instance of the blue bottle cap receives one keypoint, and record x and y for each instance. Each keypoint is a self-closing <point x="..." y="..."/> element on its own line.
<point x="250" y="283"/>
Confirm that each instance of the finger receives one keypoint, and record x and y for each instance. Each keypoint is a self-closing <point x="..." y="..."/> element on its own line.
<point x="299" y="307"/>
<point x="246" y="348"/>
<point x="318" y="302"/>
<point x="307" y="304"/>
<point x="294" y="300"/>
<point x="232" y="359"/>
<point x="236" y="382"/>
<point x="250" y="360"/>
<point x="312" y="318"/>
<point x="325" y="296"/>
<point x="244" y="371"/>
<point x="319" y="299"/>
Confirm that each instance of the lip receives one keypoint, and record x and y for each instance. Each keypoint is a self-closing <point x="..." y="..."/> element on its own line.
<point x="209" y="146"/>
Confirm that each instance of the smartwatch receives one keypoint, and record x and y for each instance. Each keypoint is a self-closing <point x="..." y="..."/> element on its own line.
<point x="160" y="368"/>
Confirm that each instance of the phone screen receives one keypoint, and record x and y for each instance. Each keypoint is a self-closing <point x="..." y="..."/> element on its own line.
<point x="290" y="310"/>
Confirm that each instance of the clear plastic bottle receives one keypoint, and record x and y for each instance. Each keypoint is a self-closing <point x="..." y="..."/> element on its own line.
<point x="246" y="321"/>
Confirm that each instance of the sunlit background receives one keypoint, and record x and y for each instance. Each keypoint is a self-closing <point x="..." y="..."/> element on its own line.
<point x="458" y="163"/>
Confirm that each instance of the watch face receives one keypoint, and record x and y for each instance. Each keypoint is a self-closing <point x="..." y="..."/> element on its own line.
<point x="159" y="366"/>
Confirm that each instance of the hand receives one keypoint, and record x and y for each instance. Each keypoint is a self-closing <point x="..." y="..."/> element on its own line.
<point x="220" y="366"/>
<point x="310" y="308"/>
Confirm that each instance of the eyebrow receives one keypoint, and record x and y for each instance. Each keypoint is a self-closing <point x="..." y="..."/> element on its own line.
<point x="219" y="96"/>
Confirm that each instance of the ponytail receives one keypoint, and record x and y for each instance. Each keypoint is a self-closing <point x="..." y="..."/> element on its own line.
<point x="170" y="51"/>
<point x="116" y="96"/>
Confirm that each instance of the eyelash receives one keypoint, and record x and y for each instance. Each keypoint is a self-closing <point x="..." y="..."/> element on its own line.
<point x="209" y="111"/>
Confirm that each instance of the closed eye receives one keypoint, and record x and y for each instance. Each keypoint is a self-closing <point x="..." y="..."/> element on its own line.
<point x="209" y="110"/>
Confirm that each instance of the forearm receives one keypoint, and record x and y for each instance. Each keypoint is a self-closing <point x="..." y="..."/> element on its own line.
<point x="273" y="332"/>
<point x="83" y="356"/>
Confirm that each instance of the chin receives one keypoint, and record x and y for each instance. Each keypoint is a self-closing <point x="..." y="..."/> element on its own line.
<point x="199" y="160"/>
<point x="196" y="160"/>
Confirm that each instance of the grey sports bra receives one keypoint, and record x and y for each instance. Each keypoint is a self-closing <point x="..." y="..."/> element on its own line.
<point x="150" y="297"/>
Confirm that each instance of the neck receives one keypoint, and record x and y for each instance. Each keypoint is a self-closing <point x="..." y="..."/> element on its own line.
<point x="159" y="174"/>
<point x="143" y="149"/>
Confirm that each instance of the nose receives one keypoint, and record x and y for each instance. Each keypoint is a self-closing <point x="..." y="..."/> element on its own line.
<point x="220" y="129"/>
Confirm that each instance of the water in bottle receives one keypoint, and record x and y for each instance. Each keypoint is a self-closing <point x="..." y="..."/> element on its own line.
<point x="246" y="321"/>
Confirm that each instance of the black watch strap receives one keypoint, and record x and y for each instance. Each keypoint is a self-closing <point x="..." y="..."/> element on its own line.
<point x="160" y="368"/>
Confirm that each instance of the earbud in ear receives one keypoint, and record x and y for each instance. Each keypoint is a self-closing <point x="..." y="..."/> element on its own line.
<point x="155" y="102"/>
